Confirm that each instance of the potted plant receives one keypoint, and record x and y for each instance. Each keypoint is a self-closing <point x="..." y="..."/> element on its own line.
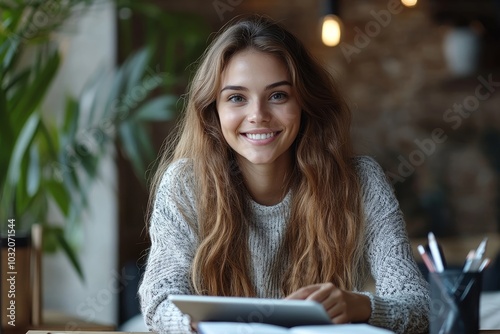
<point x="55" y="160"/>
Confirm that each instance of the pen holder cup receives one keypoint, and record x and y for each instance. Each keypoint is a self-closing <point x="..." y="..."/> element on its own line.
<point x="454" y="305"/>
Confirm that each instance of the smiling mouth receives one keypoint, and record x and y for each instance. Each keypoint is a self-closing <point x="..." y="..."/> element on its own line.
<point x="261" y="136"/>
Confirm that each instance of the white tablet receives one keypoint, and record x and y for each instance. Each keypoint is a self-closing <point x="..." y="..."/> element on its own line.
<point x="281" y="312"/>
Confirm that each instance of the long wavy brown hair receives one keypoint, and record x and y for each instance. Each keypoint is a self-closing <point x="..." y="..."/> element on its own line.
<point x="324" y="236"/>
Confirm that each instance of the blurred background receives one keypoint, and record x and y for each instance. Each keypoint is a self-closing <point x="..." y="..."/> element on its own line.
<point x="90" y="89"/>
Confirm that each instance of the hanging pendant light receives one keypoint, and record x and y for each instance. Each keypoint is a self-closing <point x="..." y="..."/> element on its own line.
<point x="409" y="3"/>
<point x="331" y="25"/>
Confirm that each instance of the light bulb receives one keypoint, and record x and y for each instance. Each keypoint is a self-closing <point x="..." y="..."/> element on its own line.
<point x="409" y="3"/>
<point x="331" y="30"/>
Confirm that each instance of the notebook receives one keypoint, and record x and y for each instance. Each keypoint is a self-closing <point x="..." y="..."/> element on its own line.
<point x="258" y="328"/>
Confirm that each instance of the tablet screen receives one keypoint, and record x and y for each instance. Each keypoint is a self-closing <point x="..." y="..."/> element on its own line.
<point x="281" y="312"/>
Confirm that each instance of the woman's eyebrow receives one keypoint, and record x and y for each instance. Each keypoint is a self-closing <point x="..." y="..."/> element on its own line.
<point x="271" y="86"/>
<point x="279" y="83"/>
<point x="230" y="87"/>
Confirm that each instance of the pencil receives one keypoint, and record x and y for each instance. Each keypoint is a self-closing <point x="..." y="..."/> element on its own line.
<point x="427" y="260"/>
<point x="436" y="256"/>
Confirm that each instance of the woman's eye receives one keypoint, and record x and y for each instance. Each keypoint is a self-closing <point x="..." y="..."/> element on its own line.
<point x="278" y="96"/>
<point x="236" y="98"/>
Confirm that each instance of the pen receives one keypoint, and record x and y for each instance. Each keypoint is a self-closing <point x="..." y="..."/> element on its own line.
<point x="484" y="264"/>
<point x="481" y="248"/>
<point x="427" y="260"/>
<point x="478" y="256"/>
<point x="436" y="256"/>
<point x="441" y="254"/>
<point x="468" y="260"/>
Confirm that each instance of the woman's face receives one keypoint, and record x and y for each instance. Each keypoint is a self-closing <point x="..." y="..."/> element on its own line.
<point x="258" y="110"/>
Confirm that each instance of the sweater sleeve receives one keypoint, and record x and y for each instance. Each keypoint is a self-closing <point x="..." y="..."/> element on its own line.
<point x="401" y="300"/>
<point x="170" y="256"/>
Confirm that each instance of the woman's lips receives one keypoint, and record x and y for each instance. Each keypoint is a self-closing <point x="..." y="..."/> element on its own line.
<point x="261" y="137"/>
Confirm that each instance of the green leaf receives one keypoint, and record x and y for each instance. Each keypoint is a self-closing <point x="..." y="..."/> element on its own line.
<point x="60" y="195"/>
<point x="19" y="80"/>
<point x="95" y="88"/>
<point x="38" y="207"/>
<point x="78" y="204"/>
<point x="70" y="123"/>
<point x="90" y="164"/>
<point x="159" y="109"/>
<point x="5" y="131"/>
<point x="53" y="237"/>
<point x="67" y="167"/>
<point x="52" y="144"/>
<point x="14" y="168"/>
<point x="3" y="105"/>
<point x="111" y="108"/>
<point x="50" y="242"/>
<point x="33" y="177"/>
<point x="22" y="144"/>
<point x="134" y="70"/>
<point x="145" y="146"/>
<point x="131" y="147"/>
<point x="37" y="90"/>
<point x="21" y="198"/>
<point x="8" y="50"/>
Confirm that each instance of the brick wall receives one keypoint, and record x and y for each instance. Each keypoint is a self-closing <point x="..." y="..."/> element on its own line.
<point x="443" y="160"/>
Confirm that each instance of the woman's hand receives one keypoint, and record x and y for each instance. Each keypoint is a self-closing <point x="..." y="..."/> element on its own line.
<point x="342" y="306"/>
<point x="194" y="327"/>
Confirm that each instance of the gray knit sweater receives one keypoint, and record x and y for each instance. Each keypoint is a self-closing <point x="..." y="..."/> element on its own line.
<point x="400" y="302"/>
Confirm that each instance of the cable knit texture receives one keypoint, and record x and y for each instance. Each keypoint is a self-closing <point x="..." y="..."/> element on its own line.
<point x="400" y="301"/>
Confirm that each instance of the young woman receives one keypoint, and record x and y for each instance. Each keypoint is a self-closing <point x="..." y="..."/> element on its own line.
<point x="264" y="196"/>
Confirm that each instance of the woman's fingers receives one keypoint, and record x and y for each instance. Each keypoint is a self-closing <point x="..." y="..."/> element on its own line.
<point x="338" y="312"/>
<point x="304" y="292"/>
<point x="325" y="292"/>
<point x="341" y="319"/>
<point x="341" y="306"/>
<point x="194" y="327"/>
<point x="332" y="300"/>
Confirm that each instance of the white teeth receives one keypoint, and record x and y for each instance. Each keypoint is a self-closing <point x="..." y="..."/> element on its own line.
<point x="260" y="136"/>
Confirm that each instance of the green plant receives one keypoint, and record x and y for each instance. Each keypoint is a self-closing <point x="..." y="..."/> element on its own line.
<point x="43" y="161"/>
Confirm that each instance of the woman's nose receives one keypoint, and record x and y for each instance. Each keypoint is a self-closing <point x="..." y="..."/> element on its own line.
<point x="258" y="113"/>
